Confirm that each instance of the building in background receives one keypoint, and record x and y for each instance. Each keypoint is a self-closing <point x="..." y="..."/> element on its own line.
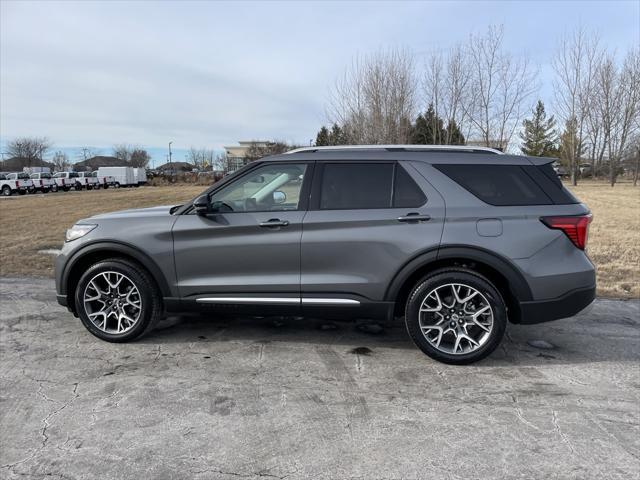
<point x="236" y="155"/>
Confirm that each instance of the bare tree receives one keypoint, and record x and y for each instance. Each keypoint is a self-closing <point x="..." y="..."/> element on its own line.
<point x="139" y="158"/>
<point x="499" y="89"/>
<point x="374" y="101"/>
<point x="201" y="158"/>
<point x="85" y="153"/>
<point x="446" y="87"/>
<point x="28" y="148"/>
<point x="123" y="152"/>
<point x="618" y="89"/>
<point x="575" y="65"/>
<point x="60" y="161"/>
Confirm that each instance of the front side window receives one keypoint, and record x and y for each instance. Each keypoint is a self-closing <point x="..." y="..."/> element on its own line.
<point x="274" y="187"/>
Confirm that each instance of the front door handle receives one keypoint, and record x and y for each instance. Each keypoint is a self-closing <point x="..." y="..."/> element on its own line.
<point x="274" y="222"/>
<point x="414" y="217"/>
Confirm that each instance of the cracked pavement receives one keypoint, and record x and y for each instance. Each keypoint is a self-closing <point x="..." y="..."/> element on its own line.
<point x="204" y="398"/>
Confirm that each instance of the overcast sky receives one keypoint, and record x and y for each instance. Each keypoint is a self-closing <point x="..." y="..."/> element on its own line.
<point x="209" y="74"/>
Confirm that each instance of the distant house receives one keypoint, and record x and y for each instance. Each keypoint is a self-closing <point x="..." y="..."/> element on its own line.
<point x="237" y="154"/>
<point x="176" y="167"/>
<point x="17" y="164"/>
<point x="98" y="161"/>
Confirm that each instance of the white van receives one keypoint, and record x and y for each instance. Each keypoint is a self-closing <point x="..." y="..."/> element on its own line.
<point x="123" y="176"/>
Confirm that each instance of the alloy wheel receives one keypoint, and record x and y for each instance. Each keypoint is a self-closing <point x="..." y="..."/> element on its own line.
<point x="456" y="318"/>
<point x="113" y="302"/>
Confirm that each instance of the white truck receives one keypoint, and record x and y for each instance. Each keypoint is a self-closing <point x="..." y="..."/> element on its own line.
<point x="140" y="174"/>
<point x="104" y="181"/>
<point x="11" y="183"/>
<point x="67" y="180"/>
<point x="44" y="182"/>
<point x="88" y="181"/>
<point x="123" y="176"/>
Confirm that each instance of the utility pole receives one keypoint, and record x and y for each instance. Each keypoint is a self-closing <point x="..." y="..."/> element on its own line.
<point x="170" y="166"/>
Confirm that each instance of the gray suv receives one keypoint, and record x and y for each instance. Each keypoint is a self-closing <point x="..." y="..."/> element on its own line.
<point x="458" y="240"/>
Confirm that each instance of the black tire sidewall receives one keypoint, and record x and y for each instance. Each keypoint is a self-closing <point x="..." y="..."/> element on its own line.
<point x="150" y="299"/>
<point x="466" y="277"/>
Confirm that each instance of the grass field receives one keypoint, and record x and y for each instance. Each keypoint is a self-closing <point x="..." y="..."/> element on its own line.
<point x="38" y="222"/>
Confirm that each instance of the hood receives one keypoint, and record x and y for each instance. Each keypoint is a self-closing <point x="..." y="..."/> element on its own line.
<point x="136" y="212"/>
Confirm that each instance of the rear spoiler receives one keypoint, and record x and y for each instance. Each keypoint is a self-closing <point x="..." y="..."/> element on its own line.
<point x="537" y="161"/>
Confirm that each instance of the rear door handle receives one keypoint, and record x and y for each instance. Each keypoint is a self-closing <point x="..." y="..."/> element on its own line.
<point x="274" y="222"/>
<point x="414" y="217"/>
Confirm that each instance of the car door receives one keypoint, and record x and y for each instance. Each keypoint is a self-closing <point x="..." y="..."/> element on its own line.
<point x="365" y="222"/>
<point x="248" y="249"/>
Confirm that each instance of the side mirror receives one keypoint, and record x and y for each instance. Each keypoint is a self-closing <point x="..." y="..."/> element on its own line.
<point x="201" y="205"/>
<point x="279" y="197"/>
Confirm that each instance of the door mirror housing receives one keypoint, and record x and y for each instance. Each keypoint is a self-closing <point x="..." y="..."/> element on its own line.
<point x="201" y="205"/>
<point x="279" y="197"/>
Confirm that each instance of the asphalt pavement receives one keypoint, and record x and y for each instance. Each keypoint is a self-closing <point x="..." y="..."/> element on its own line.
<point x="223" y="398"/>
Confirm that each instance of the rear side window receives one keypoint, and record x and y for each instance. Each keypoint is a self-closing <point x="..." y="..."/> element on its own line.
<point x="500" y="185"/>
<point x="356" y="186"/>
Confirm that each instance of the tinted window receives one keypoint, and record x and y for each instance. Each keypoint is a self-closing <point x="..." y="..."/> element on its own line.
<point x="406" y="193"/>
<point x="356" y="186"/>
<point x="497" y="184"/>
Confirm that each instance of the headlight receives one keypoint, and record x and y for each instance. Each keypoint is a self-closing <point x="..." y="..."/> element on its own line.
<point x="78" y="231"/>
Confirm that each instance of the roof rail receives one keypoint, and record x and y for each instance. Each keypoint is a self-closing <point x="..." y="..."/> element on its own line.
<point x="436" y="148"/>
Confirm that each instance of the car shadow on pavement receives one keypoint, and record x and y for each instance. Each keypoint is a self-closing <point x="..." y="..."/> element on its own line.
<point x="604" y="335"/>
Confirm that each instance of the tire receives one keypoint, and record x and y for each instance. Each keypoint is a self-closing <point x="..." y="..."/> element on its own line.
<point x="150" y="311"/>
<point x="89" y="187"/>
<point x="6" y="191"/>
<point x="435" y="292"/>
<point x="54" y="188"/>
<point x="65" y="189"/>
<point x="117" y="185"/>
<point x="22" y="192"/>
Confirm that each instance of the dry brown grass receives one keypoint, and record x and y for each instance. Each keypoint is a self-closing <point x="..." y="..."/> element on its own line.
<point x="614" y="236"/>
<point x="38" y="222"/>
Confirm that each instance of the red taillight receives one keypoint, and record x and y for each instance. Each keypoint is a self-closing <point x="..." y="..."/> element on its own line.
<point x="17" y="183"/>
<point x="574" y="227"/>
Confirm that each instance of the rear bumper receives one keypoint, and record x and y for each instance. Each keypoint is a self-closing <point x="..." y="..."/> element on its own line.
<point x="564" y="306"/>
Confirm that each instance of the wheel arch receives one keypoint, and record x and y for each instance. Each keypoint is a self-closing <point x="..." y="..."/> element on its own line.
<point x="95" y="252"/>
<point x="504" y="275"/>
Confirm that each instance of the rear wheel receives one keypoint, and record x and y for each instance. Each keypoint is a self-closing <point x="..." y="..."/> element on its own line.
<point x="117" y="185"/>
<point x="6" y="191"/>
<point x="54" y="188"/>
<point x="456" y="316"/>
<point x="117" y="301"/>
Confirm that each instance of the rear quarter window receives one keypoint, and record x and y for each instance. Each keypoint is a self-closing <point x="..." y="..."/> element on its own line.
<point x="500" y="185"/>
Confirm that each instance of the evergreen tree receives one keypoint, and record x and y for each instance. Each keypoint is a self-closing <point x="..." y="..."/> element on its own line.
<point x="539" y="137"/>
<point x="454" y="135"/>
<point x="337" y="135"/>
<point x="428" y="129"/>
<point x="322" y="139"/>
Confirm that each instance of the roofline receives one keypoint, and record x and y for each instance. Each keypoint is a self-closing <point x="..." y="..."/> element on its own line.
<point x="437" y="148"/>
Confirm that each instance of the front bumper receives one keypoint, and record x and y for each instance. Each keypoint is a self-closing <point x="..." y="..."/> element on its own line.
<point x="564" y="306"/>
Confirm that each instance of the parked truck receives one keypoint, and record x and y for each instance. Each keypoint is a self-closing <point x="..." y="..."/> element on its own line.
<point x="43" y="182"/>
<point x="140" y="174"/>
<point x="88" y="181"/>
<point x="68" y="180"/>
<point x="124" y="176"/>
<point x="10" y="183"/>
<point x="104" y="181"/>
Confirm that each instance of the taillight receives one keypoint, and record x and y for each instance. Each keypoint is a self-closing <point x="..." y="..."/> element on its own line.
<point x="17" y="183"/>
<point x="574" y="227"/>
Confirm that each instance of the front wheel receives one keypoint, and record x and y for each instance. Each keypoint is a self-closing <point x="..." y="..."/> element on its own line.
<point x="6" y="191"/>
<point x="117" y="301"/>
<point x="54" y="188"/>
<point x="456" y="316"/>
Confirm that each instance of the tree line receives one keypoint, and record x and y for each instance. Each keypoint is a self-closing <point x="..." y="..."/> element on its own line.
<point x="477" y="92"/>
